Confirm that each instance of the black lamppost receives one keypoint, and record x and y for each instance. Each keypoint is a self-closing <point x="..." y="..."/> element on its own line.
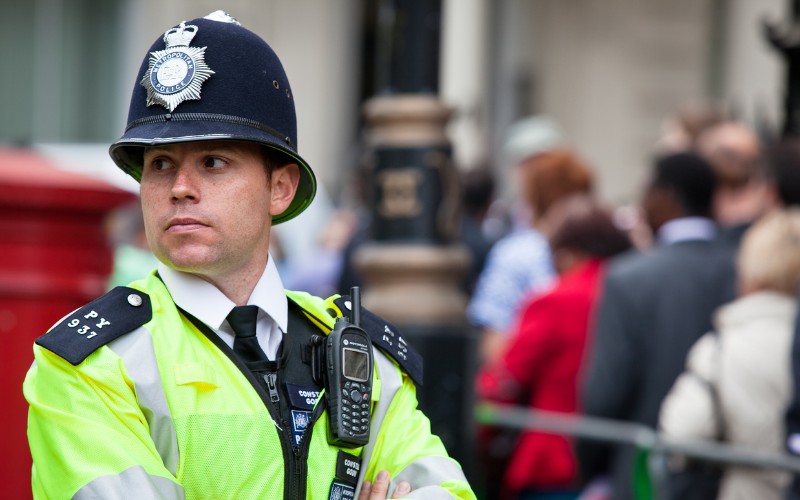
<point x="411" y="266"/>
<point x="410" y="154"/>
<point x="785" y="38"/>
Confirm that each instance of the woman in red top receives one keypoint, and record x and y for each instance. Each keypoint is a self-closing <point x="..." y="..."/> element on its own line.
<point x="541" y="363"/>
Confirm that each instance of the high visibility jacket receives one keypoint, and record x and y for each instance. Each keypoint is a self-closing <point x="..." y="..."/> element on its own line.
<point x="161" y="411"/>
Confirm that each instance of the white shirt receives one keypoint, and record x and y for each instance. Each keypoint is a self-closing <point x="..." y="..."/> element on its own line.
<point x="205" y="302"/>
<point x="686" y="228"/>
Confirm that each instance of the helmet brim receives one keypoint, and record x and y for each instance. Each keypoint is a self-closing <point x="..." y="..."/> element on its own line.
<point x="128" y="152"/>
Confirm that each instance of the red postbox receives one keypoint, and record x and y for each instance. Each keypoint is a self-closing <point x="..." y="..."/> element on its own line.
<point x="54" y="257"/>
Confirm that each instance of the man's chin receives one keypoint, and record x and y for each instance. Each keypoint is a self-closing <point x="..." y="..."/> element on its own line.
<point x="189" y="262"/>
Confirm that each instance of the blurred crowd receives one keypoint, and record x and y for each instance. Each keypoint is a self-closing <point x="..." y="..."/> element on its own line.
<point x="676" y="311"/>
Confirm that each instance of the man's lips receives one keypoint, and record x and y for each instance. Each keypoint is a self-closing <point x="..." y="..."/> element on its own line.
<point x="184" y="224"/>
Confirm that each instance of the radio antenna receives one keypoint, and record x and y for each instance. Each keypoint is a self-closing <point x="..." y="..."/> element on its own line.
<point x="355" y="306"/>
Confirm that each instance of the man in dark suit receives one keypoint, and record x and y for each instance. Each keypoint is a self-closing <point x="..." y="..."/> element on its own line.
<point x="653" y="307"/>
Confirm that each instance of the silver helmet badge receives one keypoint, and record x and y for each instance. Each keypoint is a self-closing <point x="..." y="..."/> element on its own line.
<point x="176" y="73"/>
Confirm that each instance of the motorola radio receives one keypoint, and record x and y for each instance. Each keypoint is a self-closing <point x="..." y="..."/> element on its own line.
<point x="342" y="363"/>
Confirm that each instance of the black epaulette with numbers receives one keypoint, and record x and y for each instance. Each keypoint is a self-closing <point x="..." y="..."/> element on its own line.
<point x="385" y="336"/>
<point x="94" y="325"/>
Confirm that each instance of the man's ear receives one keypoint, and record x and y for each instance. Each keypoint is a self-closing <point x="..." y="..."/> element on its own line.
<point x="284" y="186"/>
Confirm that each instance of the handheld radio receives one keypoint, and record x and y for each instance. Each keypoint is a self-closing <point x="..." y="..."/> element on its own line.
<point x="342" y="363"/>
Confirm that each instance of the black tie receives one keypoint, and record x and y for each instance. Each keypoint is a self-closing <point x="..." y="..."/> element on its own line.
<point x="243" y="321"/>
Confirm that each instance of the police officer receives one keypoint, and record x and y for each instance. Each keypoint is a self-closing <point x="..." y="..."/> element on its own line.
<point x="196" y="381"/>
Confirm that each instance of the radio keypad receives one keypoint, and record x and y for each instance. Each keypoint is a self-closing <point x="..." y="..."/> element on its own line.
<point x="355" y="410"/>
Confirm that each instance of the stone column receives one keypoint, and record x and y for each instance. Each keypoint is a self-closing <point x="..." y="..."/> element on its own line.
<point x="412" y="268"/>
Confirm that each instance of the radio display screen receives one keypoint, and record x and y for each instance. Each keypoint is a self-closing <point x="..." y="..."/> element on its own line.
<point x="355" y="365"/>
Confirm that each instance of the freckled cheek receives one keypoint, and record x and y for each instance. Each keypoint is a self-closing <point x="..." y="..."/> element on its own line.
<point x="151" y="230"/>
<point x="248" y="212"/>
<point x="146" y="200"/>
<point x="150" y="209"/>
<point x="238" y="210"/>
<point x="150" y="194"/>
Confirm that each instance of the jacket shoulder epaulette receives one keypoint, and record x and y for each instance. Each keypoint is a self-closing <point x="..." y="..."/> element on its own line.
<point x="94" y="325"/>
<point x="388" y="339"/>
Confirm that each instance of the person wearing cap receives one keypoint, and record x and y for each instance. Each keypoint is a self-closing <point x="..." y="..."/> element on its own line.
<point x="196" y="381"/>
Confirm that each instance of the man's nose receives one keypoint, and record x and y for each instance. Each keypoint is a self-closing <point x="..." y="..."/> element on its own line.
<point x="184" y="185"/>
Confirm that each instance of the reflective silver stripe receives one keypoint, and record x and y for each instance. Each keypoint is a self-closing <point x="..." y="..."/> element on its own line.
<point x="390" y="384"/>
<point x="425" y="493"/>
<point x="128" y="484"/>
<point x="139" y="358"/>
<point x="427" y="472"/>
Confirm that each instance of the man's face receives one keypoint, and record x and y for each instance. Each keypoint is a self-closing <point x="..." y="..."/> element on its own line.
<point x="208" y="206"/>
<point x="733" y="151"/>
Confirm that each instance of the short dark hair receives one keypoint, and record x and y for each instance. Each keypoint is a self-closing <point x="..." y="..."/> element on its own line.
<point x="274" y="158"/>
<point x="478" y="187"/>
<point x="690" y="178"/>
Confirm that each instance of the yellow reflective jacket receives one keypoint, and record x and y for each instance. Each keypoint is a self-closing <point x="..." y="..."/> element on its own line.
<point x="160" y="411"/>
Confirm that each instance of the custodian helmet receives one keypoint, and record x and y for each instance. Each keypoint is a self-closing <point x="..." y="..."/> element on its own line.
<point x="212" y="79"/>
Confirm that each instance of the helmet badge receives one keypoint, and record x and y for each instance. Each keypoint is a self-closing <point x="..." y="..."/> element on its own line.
<point x="176" y="73"/>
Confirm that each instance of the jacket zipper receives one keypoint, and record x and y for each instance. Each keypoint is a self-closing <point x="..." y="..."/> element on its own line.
<point x="301" y="452"/>
<point x="296" y="474"/>
<point x="270" y="379"/>
<point x="293" y="485"/>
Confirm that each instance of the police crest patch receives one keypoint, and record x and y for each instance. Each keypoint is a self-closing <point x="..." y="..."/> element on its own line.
<point x="176" y="73"/>
<point x="341" y="491"/>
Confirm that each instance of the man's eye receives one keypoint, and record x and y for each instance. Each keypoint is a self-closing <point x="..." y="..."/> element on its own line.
<point x="213" y="162"/>
<point x="159" y="164"/>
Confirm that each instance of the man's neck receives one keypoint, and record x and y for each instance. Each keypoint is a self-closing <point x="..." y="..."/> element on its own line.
<point x="236" y="289"/>
<point x="238" y="286"/>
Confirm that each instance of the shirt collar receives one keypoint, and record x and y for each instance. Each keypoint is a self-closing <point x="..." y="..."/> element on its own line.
<point x="207" y="303"/>
<point x="686" y="228"/>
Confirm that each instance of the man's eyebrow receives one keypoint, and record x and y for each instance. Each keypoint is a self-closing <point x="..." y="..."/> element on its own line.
<point x="219" y="149"/>
<point x="202" y="148"/>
